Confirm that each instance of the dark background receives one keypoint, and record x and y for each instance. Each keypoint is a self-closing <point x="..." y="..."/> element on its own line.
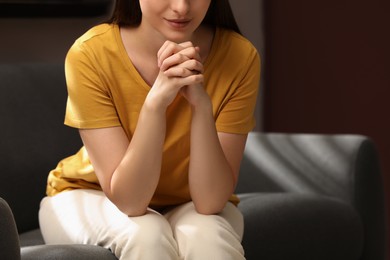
<point x="326" y="64"/>
<point x="327" y="69"/>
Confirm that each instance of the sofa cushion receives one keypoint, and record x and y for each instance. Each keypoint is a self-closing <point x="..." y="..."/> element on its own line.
<point x="31" y="238"/>
<point x="66" y="252"/>
<point x="280" y="226"/>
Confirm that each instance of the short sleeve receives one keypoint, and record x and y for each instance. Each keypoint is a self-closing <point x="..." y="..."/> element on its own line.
<point x="237" y="115"/>
<point x="89" y="103"/>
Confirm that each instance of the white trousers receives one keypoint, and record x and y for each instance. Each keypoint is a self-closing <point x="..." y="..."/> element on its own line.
<point x="88" y="217"/>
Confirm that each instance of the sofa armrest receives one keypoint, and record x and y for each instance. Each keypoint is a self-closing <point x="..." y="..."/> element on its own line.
<point x="342" y="166"/>
<point x="66" y="252"/>
<point x="9" y="241"/>
<point x="284" y="225"/>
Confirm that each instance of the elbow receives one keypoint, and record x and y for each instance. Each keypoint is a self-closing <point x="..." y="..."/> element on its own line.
<point x="132" y="212"/>
<point x="209" y="208"/>
<point x="130" y="208"/>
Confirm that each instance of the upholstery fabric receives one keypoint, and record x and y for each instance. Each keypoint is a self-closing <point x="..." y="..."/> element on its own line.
<point x="303" y="196"/>
<point x="300" y="226"/>
<point x="31" y="238"/>
<point x="33" y="135"/>
<point x="345" y="167"/>
<point x="66" y="252"/>
<point x="9" y="241"/>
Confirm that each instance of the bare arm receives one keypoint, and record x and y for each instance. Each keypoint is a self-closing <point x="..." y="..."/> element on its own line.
<point x="119" y="163"/>
<point x="214" y="162"/>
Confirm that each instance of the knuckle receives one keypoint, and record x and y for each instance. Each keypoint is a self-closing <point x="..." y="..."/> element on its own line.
<point x="188" y="43"/>
<point x="200" y="77"/>
<point x="183" y="71"/>
<point x="196" y="79"/>
<point x="182" y="57"/>
<point x="191" y="51"/>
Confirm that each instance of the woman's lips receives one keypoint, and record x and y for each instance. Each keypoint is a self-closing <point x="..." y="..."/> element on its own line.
<point x="178" y="23"/>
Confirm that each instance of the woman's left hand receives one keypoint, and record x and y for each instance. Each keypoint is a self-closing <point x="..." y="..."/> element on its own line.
<point x="168" y="61"/>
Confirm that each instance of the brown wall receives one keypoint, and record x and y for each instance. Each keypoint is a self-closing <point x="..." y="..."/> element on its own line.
<point x="40" y="39"/>
<point x="328" y="69"/>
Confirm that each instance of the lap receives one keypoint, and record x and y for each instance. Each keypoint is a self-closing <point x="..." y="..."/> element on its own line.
<point x="89" y="217"/>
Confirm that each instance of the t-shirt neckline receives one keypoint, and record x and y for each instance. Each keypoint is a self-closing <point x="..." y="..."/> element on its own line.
<point x="129" y="64"/>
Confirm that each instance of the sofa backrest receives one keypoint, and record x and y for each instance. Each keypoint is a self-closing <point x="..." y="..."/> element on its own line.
<point x="33" y="137"/>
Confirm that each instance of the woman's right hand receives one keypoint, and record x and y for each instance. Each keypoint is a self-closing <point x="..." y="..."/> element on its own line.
<point x="179" y="66"/>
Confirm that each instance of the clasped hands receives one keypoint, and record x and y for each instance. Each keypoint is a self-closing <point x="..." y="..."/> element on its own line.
<point x="180" y="71"/>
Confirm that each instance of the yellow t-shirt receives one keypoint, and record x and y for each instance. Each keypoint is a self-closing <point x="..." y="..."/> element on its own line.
<point x="105" y="90"/>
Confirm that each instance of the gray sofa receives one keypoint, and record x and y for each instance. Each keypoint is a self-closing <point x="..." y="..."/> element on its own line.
<point x="303" y="196"/>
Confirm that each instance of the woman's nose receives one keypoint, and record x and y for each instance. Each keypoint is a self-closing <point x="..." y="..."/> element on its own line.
<point x="181" y="7"/>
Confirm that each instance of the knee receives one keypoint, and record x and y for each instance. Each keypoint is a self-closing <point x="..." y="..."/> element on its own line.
<point x="206" y="237"/>
<point x="206" y="229"/>
<point x="150" y="231"/>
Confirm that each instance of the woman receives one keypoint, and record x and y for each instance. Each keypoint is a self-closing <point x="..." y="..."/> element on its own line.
<point x="163" y="96"/>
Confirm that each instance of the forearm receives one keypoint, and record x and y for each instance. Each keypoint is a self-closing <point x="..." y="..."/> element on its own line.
<point x="134" y="181"/>
<point x="210" y="175"/>
<point x="136" y="178"/>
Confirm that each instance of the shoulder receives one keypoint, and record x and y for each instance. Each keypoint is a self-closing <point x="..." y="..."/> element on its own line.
<point x="235" y="51"/>
<point x="231" y="40"/>
<point x="96" y="33"/>
<point x="233" y="47"/>
<point x="96" y="39"/>
<point x="95" y="42"/>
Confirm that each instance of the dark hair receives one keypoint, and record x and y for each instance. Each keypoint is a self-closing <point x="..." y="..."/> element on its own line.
<point x="128" y="12"/>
